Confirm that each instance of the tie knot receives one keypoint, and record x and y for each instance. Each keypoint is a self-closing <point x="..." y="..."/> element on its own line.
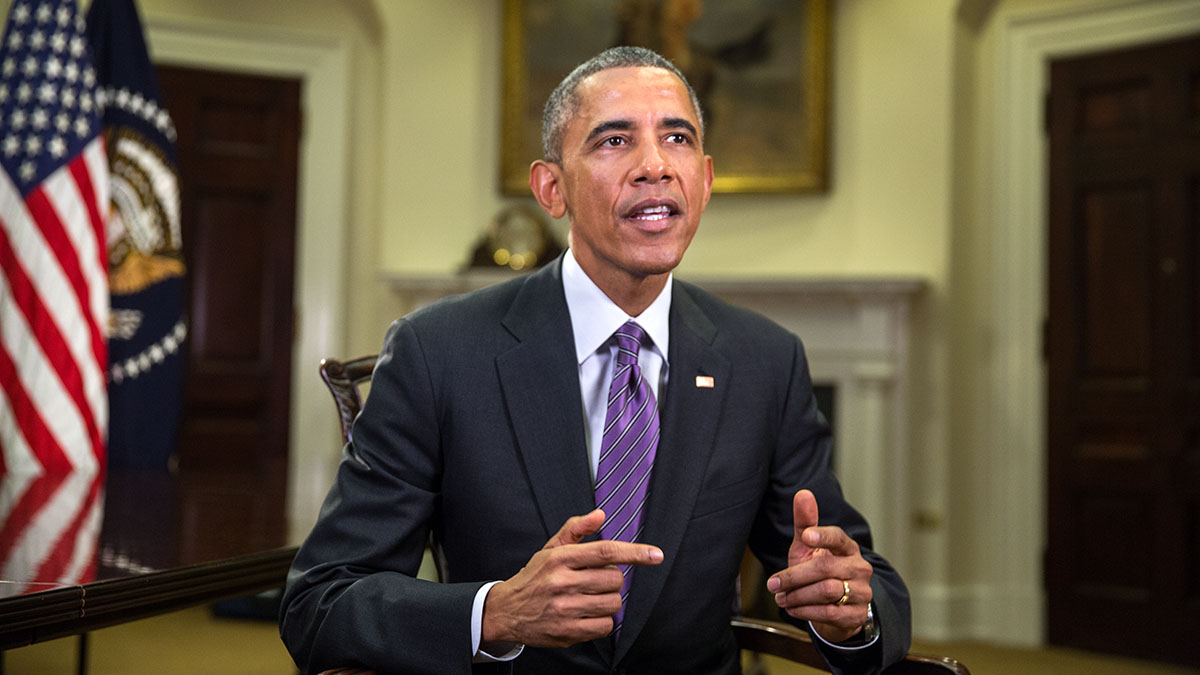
<point x="630" y="338"/>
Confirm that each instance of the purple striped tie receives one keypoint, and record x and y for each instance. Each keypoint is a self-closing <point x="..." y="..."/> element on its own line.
<point x="627" y="454"/>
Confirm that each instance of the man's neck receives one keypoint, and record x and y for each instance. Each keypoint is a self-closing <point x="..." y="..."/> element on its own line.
<point x="631" y="292"/>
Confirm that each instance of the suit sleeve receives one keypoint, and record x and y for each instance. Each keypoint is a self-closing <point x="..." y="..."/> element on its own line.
<point x="801" y="460"/>
<point x="352" y="596"/>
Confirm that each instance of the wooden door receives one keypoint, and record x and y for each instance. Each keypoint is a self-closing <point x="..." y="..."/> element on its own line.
<point x="1123" y="349"/>
<point x="238" y="145"/>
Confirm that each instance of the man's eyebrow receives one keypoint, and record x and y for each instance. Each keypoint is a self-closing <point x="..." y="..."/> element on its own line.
<point x="678" y="123"/>
<point x="605" y="127"/>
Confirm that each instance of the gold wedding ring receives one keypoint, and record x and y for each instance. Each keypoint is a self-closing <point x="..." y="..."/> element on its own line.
<point x="845" y="594"/>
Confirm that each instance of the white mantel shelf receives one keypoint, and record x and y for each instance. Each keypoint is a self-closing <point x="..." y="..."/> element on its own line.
<point x="446" y="283"/>
<point x="856" y="332"/>
<point x="817" y="286"/>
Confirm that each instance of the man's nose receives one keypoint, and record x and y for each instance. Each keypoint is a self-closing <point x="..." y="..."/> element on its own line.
<point x="653" y="165"/>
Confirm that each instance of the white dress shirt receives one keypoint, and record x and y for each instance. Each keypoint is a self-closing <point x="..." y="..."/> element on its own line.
<point x="594" y="319"/>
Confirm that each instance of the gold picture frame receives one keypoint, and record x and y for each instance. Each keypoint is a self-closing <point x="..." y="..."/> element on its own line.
<point x="760" y="68"/>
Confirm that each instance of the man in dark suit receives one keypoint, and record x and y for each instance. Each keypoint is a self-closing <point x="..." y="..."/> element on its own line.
<point x="494" y="420"/>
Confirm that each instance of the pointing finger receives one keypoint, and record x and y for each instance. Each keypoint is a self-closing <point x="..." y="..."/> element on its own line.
<point x="607" y="552"/>
<point x="833" y="538"/>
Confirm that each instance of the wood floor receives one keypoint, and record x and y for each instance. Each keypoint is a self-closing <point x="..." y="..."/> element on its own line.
<point x="193" y="641"/>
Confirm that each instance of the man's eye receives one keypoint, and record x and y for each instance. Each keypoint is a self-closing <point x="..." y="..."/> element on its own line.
<point x="678" y="138"/>
<point x="613" y="141"/>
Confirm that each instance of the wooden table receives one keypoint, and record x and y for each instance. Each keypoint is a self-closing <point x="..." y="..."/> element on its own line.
<point x="168" y="541"/>
<point x="59" y="611"/>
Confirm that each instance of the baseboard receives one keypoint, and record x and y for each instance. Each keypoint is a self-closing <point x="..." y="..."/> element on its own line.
<point x="944" y="612"/>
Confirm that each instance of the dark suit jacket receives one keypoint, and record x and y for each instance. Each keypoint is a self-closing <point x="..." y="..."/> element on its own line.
<point x="473" y="432"/>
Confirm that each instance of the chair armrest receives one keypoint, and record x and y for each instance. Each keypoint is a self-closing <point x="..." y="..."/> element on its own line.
<point x="777" y="639"/>
<point x="788" y="642"/>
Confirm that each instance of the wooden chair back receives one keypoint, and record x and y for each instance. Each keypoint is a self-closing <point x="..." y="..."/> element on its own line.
<point x="344" y="379"/>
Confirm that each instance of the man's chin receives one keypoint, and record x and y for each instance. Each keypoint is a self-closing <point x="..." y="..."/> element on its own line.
<point x="654" y="268"/>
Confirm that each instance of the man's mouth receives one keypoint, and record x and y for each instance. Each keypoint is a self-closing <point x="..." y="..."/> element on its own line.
<point x="652" y="213"/>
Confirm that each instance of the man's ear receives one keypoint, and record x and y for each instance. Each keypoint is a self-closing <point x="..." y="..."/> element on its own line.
<point x="545" y="180"/>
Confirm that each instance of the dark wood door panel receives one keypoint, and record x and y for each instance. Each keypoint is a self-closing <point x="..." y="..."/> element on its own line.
<point x="1109" y="571"/>
<point x="1122" y="358"/>
<point x="1189" y="309"/>
<point x="226" y="242"/>
<point x="1115" y="254"/>
<point x="238" y="148"/>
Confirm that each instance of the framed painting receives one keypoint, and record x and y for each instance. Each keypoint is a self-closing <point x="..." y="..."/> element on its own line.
<point x="759" y="67"/>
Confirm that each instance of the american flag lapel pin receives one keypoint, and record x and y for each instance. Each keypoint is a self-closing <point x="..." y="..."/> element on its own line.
<point x="704" y="382"/>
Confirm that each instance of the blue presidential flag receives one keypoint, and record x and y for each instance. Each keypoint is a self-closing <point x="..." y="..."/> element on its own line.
<point x="146" y="268"/>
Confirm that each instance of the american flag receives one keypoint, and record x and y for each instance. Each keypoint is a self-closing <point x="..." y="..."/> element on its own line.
<point x="53" y="296"/>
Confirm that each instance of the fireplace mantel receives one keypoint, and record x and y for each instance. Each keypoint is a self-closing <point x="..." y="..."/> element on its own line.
<point x="856" y="331"/>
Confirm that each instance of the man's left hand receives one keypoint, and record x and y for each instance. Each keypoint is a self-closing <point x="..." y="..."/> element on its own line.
<point x="823" y="562"/>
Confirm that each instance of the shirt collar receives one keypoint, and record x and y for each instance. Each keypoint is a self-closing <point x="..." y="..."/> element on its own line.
<point x="594" y="317"/>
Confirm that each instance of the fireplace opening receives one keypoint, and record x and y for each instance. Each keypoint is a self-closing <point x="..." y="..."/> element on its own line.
<point x="826" y="403"/>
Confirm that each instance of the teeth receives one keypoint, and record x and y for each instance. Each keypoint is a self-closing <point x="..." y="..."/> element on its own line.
<point x="653" y="212"/>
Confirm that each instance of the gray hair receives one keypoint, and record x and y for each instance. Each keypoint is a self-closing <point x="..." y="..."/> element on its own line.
<point x="564" y="100"/>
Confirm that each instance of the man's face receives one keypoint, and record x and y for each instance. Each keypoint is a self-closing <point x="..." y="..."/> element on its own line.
<point x="634" y="178"/>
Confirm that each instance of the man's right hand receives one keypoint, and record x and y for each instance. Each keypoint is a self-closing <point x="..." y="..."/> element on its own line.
<point x="568" y="592"/>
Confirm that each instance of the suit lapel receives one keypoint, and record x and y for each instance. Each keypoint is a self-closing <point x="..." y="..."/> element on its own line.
<point x="689" y="416"/>
<point x="540" y="380"/>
